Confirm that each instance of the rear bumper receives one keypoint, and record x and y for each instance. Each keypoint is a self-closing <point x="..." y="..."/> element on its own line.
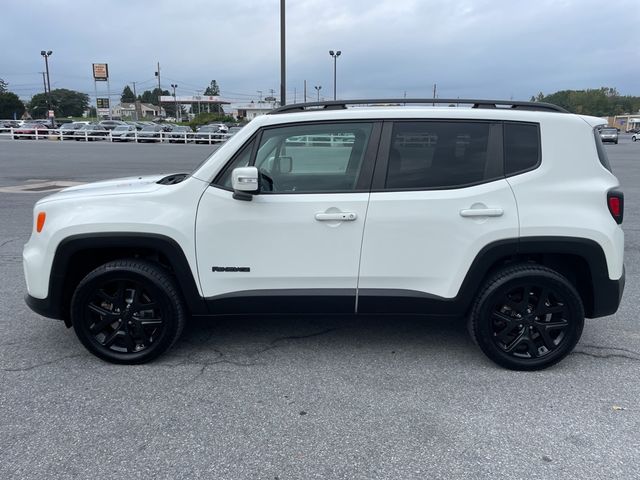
<point x="607" y="295"/>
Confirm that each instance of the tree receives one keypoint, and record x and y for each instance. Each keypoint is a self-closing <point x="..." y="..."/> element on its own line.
<point x="127" y="95"/>
<point x="64" y="102"/>
<point x="3" y="86"/>
<point x="600" y="102"/>
<point x="10" y="105"/>
<point x="213" y="90"/>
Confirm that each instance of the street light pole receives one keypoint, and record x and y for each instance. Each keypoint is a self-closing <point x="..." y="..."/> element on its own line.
<point x="46" y="54"/>
<point x="318" y="88"/>
<point x="283" y="71"/>
<point x="335" y="56"/>
<point x="175" y="100"/>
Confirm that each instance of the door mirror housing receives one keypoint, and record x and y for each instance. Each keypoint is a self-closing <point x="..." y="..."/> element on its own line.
<point x="245" y="183"/>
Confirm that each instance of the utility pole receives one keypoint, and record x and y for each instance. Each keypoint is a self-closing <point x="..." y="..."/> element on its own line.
<point x="44" y="83"/>
<point x="283" y="73"/>
<point x="305" y="91"/>
<point x="295" y="93"/>
<point x="135" y="100"/>
<point x="159" y="91"/>
<point x="434" y="95"/>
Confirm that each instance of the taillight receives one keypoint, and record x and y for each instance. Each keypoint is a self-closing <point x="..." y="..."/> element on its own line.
<point x="615" y="202"/>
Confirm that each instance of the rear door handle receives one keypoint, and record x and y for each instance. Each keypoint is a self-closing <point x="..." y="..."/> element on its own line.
<point x="481" y="212"/>
<point x="336" y="217"/>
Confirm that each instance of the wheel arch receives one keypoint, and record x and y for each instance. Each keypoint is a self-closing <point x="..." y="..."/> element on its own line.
<point x="77" y="255"/>
<point x="582" y="261"/>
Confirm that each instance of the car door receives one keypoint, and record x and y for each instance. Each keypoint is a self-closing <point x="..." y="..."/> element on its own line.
<point x="439" y="197"/>
<point x="295" y="247"/>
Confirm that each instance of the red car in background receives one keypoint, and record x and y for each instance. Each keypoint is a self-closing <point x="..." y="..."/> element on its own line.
<point x="29" y="130"/>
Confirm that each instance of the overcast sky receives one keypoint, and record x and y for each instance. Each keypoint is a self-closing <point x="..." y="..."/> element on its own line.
<point x="469" y="48"/>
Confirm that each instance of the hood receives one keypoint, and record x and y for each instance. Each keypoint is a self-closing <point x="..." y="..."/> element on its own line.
<point x="119" y="186"/>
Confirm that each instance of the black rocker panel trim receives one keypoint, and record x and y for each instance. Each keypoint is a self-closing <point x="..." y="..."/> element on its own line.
<point x="284" y="302"/>
<point x="54" y="306"/>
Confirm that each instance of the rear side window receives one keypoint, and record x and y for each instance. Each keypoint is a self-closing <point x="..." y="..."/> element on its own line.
<point x="439" y="155"/>
<point x="521" y="147"/>
<point x="602" y="153"/>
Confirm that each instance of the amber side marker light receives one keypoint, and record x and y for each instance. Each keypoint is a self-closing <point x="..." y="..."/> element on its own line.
<point x="40" y="221"/>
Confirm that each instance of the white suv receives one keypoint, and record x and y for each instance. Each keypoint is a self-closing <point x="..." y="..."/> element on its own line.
<point x="506" y="213"/>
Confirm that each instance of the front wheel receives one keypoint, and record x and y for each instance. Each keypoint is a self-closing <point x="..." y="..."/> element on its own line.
<point x="128" y="311"/>
<point x="527" y="317"/>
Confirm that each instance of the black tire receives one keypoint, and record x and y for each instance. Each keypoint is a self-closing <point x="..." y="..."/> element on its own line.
<point x="128" y="311"/>
<point x="527" y="317"/>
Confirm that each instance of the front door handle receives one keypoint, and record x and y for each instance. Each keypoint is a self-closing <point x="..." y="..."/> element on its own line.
<point x="482" y="212"/>
<point x="336" y="217"/>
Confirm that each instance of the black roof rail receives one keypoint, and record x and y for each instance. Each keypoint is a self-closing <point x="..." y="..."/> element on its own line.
<point x="342" y="104"/>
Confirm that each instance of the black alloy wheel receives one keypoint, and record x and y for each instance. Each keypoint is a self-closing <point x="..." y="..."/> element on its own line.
<point x="128" y="311"/>
<point x="527" y="317"/>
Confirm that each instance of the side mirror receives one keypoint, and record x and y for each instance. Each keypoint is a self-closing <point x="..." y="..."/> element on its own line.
<point x="244" y="181"/>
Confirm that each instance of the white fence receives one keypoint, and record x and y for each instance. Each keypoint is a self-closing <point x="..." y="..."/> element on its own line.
<point x="107" y="135"/>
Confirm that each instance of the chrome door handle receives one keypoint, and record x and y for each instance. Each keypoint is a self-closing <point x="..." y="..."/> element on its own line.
<point x="482" y="212"/>
<point x="336" y="217"/>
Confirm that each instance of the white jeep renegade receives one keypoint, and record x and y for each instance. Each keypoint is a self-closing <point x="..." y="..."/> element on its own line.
<point x="505" y="213"/>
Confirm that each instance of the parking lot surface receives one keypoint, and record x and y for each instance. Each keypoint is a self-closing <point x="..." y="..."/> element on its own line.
<point x="302" y="398"/>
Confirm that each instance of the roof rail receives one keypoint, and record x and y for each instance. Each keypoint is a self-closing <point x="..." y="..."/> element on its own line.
<point x="342" y="104"/>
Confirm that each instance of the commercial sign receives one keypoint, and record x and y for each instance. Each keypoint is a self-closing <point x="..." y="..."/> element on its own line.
<point x="102" y="102"/>
<point x="100" y="72"/>
<point x="51" y="114"/>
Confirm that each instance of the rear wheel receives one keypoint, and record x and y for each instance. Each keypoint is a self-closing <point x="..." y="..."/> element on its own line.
<point x="128" y="311"/>
<point x="527" y="317"/>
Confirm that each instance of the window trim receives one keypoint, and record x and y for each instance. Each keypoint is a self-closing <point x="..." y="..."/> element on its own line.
<point x="363" y="183"/>
<point x="504" y="149"/>
<point x="495" y="144"/>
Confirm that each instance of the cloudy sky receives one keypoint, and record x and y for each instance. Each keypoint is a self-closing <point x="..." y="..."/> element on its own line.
<point x="469" y="48"/>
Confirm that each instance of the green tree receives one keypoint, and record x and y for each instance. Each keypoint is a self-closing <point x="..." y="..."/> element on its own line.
<point x="4" y="86"/>
<point x="213" y="90"/>
<point x="64" y="102"/>
<point x="600" y="102"/>
<point x="10" y="105"/>
<point x="127" y="95"/>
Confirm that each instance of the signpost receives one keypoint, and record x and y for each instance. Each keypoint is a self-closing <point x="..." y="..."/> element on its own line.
<point x="101" y="74"/>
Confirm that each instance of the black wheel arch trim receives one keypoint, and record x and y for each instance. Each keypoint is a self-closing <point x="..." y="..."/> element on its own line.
<point x="54" y="305"/>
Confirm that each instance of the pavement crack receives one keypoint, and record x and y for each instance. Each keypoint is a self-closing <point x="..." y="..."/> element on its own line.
<point x="607" y="352"/>
<point x="41" y="364"/>
<point x="301" y="337"/>
<point x="7" y="241"/>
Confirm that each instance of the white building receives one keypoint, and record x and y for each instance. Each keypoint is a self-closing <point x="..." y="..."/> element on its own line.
<point x="252" y="110"/>
<point x="147" y="110"/>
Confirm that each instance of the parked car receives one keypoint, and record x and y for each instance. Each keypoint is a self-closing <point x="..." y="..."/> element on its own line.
<point x="609" y="134"/>
<point x="68" y="130"/>
<point x="233" y="130"/>
<point x="91" y="132"/>
<point x="30" y="131"/>
<point x="110" y="124"/>
<point x="150" y="133"/>
<point x="635" y="137"/>
<point x="491" y="229"/>
<point x="120" y="133"/>
<point x="180" y="134"/>
<point x="208" y="134"/>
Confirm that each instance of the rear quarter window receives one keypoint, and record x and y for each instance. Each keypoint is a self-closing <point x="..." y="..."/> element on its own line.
<point x="602" y="152"/>
<point x="521" y="147"/>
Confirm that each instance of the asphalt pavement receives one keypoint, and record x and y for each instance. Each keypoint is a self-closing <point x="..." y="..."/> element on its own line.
<point x="302" y="398"/>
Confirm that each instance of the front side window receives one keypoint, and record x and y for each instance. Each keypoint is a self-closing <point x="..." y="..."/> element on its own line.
<point x="439" y="154"/>
<point x="312" y="158"/>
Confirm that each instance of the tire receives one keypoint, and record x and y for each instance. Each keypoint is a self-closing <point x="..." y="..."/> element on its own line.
<point x="532" y="334"/>
<point x="633" y="138"/>
<point x="128" y="311"/>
